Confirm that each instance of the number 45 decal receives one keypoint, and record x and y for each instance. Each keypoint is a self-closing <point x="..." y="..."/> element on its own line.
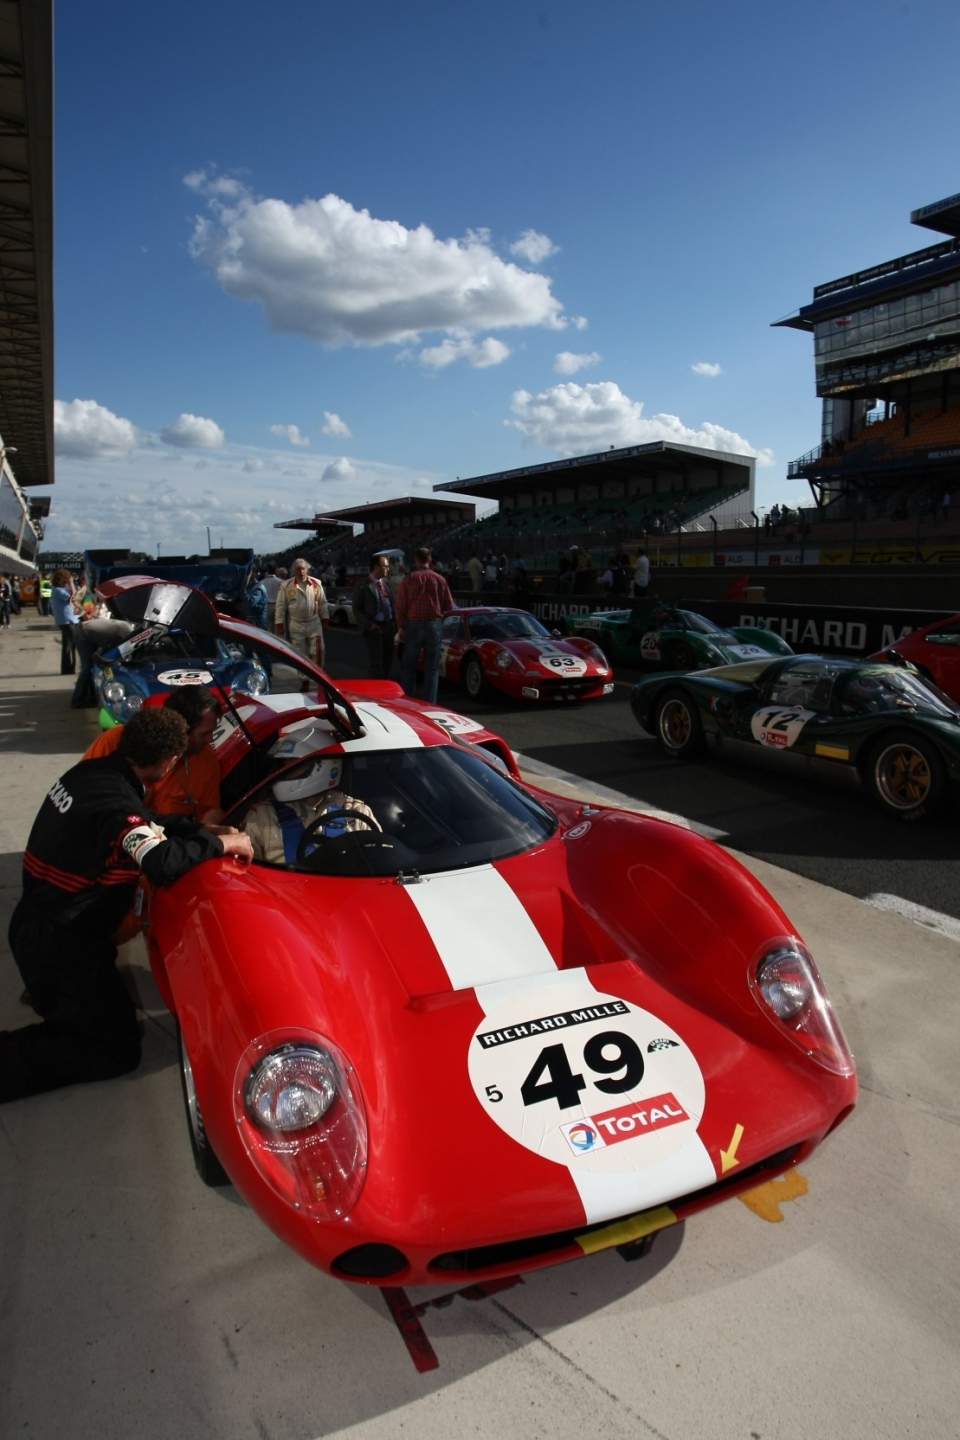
<point x="611" y="1054"/>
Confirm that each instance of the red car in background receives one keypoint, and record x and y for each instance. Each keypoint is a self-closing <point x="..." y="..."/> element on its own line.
<point x="495" y="647"/>
<point x="934" y="650"/>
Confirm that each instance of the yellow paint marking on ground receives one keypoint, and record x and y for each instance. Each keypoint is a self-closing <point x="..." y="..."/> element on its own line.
<point x="766" y="1200"/>
<point x="621" y="1232"/>
<point x="728" y="1157"/>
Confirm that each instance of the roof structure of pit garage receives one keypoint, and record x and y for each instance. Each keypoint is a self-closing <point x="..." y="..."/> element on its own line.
<point x="410" y="512"/>
<point x="658" y="470"/>
<point x="26" y="238"/>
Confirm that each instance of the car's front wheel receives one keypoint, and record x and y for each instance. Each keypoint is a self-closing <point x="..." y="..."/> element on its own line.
<point x="682" y="657"/>
<point x="905" y="776"/>
<point x="678" y="726"/>
<point x="209" y="1169"/>
<point x="474" y="680"/>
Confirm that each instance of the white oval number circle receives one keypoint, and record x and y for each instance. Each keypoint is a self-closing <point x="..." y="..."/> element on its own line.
<point x="779" y="727"/>
<point x="185" y="677"/>
<point x="587" y="1080"/>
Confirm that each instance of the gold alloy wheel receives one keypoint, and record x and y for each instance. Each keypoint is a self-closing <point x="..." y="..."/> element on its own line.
<point x="676" y="725"/>
<point x="904" y="777"/>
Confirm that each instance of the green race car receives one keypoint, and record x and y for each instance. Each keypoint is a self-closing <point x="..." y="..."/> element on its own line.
<point x="879" y="726"/>
<point x="654" y="636"/>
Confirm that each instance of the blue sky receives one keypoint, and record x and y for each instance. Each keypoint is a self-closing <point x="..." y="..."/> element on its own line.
<point x="310" y="256"/>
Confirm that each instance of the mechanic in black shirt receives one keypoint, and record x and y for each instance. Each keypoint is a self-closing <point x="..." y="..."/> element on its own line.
<point x="89" y="844"/>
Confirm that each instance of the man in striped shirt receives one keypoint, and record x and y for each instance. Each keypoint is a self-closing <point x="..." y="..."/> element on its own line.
<point x="422" y="601"/>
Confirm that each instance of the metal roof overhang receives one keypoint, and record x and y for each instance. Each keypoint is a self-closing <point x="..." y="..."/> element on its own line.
<point x="403" y="505"/>
<point x="26" y="237"/>
<point x="658" y="458"/>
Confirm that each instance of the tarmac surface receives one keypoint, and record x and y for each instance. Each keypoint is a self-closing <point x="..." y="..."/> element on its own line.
<point x="136" y="1302"/>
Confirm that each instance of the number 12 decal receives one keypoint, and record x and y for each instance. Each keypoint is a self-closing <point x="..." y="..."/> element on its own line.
<point x="551" y="1077"/>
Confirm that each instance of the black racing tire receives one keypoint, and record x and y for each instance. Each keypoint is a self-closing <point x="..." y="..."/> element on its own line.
<point x="905" y="776"/>
<point x="682" y="657"/>
<point x="473" y="679"/>
<point x="209" y="1169"/>
<point x="677" y="725"/>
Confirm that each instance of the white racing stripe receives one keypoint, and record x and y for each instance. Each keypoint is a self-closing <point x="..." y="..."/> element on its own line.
<point x="919" y="914"/>
<point x="487" y="941"/>
<point x="481" y="930"/>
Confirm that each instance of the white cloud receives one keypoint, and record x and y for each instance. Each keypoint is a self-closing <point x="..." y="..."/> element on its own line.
<point x="576" y="419"/>
<point x="193" y="432"/>
<point x="705" y="367"/>
<point x="338" y="470"/>
<point x="567" y="363"/>
<point x="480" y="354"/>
<point x="251" y="467"/>
<point x="333" y="425"/>
<point x="534" y="247"/>
<point x="342" y="277"/>
<point x="291" y="433"/>
<point x="90" y="431"/>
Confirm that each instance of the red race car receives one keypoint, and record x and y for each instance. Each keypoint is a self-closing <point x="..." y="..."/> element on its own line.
<point x="493" y="647"/>
<point x="934" y="650"/>
<point x="447" y="1027"/>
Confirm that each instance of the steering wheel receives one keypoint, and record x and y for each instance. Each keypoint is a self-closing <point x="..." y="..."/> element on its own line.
<point x="313" y="836"/>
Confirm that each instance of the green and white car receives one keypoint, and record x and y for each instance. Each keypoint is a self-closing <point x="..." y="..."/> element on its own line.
<point x="882" y="727"/>
<point x="654" y="636"/>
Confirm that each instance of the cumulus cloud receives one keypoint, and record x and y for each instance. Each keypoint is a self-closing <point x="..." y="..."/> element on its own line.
<point x="534" y="247"/>
<point x="480" y="354"/>
<point x="333" y="425"/>
<point x="577" y="419"/>
<point x="291" y="433"/>
<point x="341" y="276"/>
<point x="89" y="431"/>
<point x="340" y="469"/>
<point x="193" y="432"/>
<point x="567" y="363"/>
<point x="705" y="367"/>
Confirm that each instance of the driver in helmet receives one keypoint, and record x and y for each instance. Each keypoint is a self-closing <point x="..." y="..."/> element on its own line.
<point x="303" y="795"/>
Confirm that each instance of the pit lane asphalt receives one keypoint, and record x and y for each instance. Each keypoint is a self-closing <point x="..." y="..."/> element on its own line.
<point x="136" y="1303"/>
<point x="836" y="836"/>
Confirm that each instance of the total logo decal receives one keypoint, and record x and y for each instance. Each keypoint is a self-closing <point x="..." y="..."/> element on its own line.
<point x="185" y="677"/>
<point x="624" y="1123"/>
<point x="587" y="1080"/>
<point x="778" y="725"/>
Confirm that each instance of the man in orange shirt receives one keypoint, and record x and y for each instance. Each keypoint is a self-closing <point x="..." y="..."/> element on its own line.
<point x="192" y="787"/>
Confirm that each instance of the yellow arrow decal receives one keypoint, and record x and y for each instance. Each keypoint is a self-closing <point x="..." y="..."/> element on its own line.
<point x="728" y="1157"/>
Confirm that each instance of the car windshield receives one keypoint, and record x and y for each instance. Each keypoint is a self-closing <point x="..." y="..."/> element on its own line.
<point x="387" y="812"/>
<point x="507" y="627"/>
<point x="691" y="621"/>
<point x="872" y="692"/>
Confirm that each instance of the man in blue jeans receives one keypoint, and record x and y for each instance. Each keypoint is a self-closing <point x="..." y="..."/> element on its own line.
<point x="422" y="601"/>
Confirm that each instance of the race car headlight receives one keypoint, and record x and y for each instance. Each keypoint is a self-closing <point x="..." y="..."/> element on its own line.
<point x="787" y="985"/>
<point x="291" y="1089"/>
<point x="253" y="683"/>
<point x="123" y="702"/>
<point x="503" y="659"/>
<point x="301" y="1119"/>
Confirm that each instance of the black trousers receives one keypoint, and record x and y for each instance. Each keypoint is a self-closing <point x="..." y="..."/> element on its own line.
<point x="380" y="650"/>
<point x="89" y="1027"/>
<point x="68" y="650"/>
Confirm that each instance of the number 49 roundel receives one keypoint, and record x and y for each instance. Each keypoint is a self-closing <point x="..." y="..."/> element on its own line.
<point x="586" y="1079"/>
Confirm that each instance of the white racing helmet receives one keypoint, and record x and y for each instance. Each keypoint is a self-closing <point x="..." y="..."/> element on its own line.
<point x="309" y="778"/>
<point x="317" y="772"/>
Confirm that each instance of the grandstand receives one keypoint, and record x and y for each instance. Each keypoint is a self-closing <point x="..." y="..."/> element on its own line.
<point x="607" y="501"/>
<point x="400" y="524"/>
<point x="887" y="353"/>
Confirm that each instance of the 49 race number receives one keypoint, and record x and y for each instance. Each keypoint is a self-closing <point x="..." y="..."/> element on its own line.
<point x="562" y="1060"/>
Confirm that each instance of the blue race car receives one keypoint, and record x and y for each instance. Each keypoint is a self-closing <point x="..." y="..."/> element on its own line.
<point x="174" y="647"/>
